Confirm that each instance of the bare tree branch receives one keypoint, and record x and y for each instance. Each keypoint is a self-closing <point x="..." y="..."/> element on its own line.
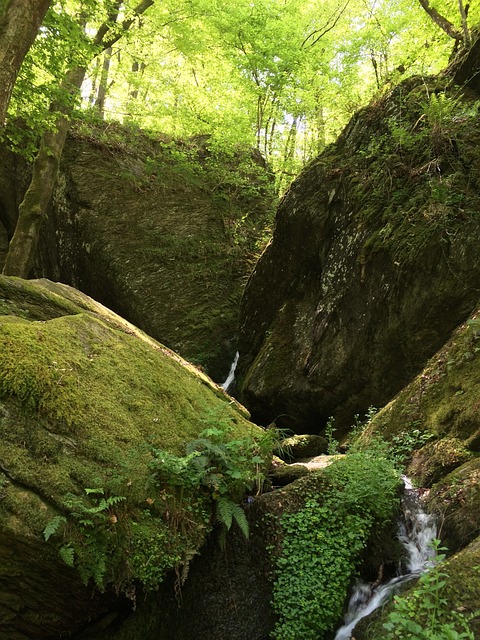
<point x="331" y="23"/>
<point x="103" y="43"/>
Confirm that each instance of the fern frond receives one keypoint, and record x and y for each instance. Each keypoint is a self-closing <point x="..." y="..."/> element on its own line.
<point x="67" y="554"/>
<point x="52" y="527"/>
<point x="241" y="519"/>
<point x="225" y="512"/>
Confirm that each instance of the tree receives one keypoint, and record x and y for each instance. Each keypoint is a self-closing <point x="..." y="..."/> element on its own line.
<point x="19" y="24"/>
<point x="445" y="20"/>
<point x="32" y="210"/>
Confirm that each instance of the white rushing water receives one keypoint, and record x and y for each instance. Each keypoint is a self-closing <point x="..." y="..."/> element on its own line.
<point x="231" y="376"/>
<point x="416" y="531"/>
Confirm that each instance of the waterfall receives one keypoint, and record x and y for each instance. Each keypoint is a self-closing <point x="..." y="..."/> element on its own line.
<point x="231" y="375"/>
<point x="416" y="531"/>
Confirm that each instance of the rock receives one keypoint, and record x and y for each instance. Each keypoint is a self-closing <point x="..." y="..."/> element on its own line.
<point x="162" y="232"/>
<point x="441" y="405"/>
<point x="456" y="502"/>
<point x="287" y="473"/>
<point x="374" y="262"/>
<point x="436" y="459"/>
<point x="302" y="446"/>
<point x="84" y="396"/>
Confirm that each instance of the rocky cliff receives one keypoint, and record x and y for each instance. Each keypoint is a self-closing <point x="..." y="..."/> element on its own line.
<point x="374" y="260"/>
<point x="163" y="232"/>
<point x="438" y="417"/>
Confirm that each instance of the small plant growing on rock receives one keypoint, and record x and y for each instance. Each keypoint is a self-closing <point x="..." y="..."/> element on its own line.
<point x="424" y="614"/>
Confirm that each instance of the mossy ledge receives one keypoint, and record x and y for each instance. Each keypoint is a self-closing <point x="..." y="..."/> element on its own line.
<point x="83" y="397"/>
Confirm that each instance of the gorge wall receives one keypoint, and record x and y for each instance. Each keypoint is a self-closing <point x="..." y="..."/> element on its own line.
<point x="374" y="261"/>
<point x="163" y="232"/>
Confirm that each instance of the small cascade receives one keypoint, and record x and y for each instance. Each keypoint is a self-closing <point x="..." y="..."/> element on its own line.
<point x="231" y="375"/>
<point x="416" y="531"/>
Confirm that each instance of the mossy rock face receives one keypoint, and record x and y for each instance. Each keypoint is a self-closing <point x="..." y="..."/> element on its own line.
<point x="163" y="232"/>
<point x="84" y="396"/>
<point x="456" y="502"/>
<point x="436" y="459"/>
<point x="374" y="261"/>
<point x="440" y="403"/>
<point x="302" y="446"/>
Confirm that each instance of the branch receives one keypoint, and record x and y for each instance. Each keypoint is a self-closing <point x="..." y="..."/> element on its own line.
<point x="103" y="31"/>
<point x="329" y="25"/>
<point x="441" y="21"/>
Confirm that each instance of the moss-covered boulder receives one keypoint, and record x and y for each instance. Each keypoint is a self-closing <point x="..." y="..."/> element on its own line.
<point x="374" y="261"/>
<point x="163" y="232"/>
<point x="302" y="446"/>
<point x="85" y="401"/>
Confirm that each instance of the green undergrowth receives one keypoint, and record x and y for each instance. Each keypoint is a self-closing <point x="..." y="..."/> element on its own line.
<point x="425" y="613"/>
<point x="323" y="541"/>
<point x="88" y="406"/>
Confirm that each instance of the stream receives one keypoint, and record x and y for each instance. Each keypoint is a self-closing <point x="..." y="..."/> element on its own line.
<point x="416" y="531"/>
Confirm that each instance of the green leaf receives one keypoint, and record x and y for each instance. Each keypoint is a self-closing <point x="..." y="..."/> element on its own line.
<point x="52" y="527"/>
<point x="67" y="554"/>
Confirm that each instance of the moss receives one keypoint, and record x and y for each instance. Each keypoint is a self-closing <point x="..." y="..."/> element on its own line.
<point x="443" y="399"/>
<point x="83" y="398"/>
<point x="436" y="459"/>
<point x="456" y="501"/>
<point x="302" y="446"/>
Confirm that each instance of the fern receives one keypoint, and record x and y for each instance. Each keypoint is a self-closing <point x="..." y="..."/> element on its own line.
<point x="225" y="512"/>
<point x="228" y="511"/>
<point x="67" y="554"/>
<point x="52" y="527"/>
<point x="241" y="519"/>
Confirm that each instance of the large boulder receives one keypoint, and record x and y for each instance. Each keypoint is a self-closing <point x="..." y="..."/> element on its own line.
<point x="374" y="261"/>
<point x="85" y="398"/>
<point x="163" y="232"/>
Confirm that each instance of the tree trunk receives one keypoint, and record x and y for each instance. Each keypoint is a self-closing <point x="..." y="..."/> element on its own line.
<point x="467" y="41"/>
<point x="103" y="84"/>
<point x="19" y="24"/>
<point x="441" y="21"/>
<point x="33" y="208"/>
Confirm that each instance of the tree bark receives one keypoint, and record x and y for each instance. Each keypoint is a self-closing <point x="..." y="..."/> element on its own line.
<point x="19" y="24"/>
<point x="33" y="209"/>
<point x="31" y="212"/>
<point x="467" y="40"/>
<point x="103" y="84"/>
<point x="441" y="21"/>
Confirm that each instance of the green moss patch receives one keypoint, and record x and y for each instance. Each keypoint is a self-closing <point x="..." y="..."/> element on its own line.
<point x="84" y="399"/>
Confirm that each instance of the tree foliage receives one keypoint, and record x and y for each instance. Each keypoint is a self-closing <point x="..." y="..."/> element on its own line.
<point x="284" y="76"/>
